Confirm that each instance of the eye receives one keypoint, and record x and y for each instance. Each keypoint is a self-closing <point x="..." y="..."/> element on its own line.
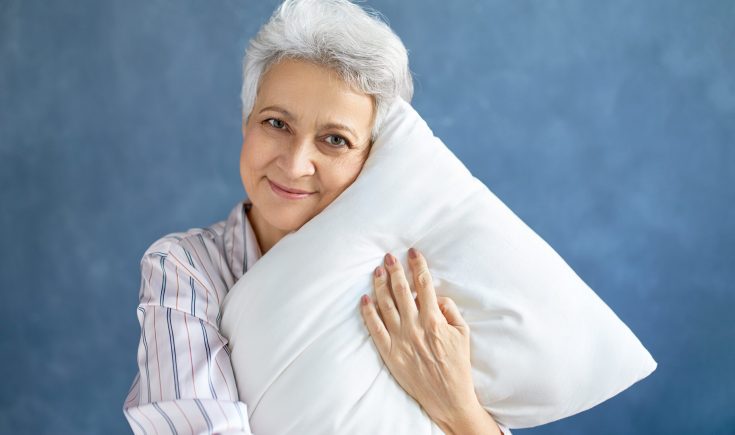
<point x="277" y="123"/>
<point x="340" y="141"/>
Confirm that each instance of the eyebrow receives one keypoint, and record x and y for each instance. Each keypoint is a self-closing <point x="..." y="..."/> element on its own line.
<point x="336" y="125"/>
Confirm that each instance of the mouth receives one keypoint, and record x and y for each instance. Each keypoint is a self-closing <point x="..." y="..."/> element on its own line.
<point x="287" y="193"/>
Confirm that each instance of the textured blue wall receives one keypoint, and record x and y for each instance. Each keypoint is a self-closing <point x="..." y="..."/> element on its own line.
<point x="608" y="127"/>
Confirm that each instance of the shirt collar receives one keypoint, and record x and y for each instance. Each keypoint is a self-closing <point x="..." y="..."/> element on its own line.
<point x="241" y="245"/>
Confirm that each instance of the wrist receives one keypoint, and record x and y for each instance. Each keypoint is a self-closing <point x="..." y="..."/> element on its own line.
<point x="474" y="420"/>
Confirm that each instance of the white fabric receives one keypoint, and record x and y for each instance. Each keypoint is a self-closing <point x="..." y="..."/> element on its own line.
<point x="544" y="345"/>
<point x="185" y="382"/>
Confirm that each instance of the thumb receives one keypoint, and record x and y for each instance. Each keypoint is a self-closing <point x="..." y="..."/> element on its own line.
<point x="451" y="312"/>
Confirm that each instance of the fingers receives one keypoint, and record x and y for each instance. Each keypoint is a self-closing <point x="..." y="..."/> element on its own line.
<point x="388" y="311"/>
<point x="400" y="289"/>
<point x="425" y="293"/>
<point x="394" y="303"/>
<point x="375" y="325"/>
<point x="451" y="312"/>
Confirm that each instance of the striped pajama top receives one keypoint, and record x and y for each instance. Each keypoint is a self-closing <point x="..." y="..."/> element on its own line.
<point x="185" y="383"/>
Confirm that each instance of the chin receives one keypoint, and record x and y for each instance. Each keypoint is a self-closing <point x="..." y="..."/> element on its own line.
<point x="289" y="224"/>
<point x="285" y="217"/>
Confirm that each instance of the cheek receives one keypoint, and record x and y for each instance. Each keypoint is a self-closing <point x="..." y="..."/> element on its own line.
<point x="340" y="177"/>
<point x="249" y="163"/>
<point x="253" y="153"/>
<point x="244" y="158"/>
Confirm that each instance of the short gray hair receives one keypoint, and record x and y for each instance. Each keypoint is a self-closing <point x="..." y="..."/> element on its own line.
<point x="351" y="40"/>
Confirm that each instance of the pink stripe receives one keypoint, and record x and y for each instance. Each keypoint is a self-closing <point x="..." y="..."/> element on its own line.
<point x="219" y="260"/>
<point x="150" y="294"/>
<point x="219" y="337"/>
<point x="149" y="421"/>
<point x="227" y="384"/>
<point x="185" y="417"/>
<point x="177" y="286"/>
<point x="232" y="250"/>
<point x="201" y="263"/>
<point x="134" y="395"/>
<point x="191" y="273"/>
<point x="191" y="362"/>
<point x="155" y="336"/>
<point x="206" y="306"/>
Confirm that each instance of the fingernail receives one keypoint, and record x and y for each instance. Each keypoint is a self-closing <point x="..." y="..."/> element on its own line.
<point x="412" y="253"/>
<point x="364" y="299"/>
<point x="389" y="259"/>
<point x="378" y="272"/>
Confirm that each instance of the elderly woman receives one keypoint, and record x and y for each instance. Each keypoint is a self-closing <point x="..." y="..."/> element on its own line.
<point x="318" y="78"/>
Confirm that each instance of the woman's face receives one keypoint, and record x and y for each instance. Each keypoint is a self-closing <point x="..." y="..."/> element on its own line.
<point x="307" y="131"/>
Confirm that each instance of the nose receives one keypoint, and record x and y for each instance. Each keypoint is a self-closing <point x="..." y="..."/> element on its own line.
<point x="296" y="159"/>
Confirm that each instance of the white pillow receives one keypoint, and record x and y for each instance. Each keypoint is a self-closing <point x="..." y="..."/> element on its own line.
<point x="544" y="345"/>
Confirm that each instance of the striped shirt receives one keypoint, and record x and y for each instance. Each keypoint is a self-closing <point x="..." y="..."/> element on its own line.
<point x="185" y="383"/>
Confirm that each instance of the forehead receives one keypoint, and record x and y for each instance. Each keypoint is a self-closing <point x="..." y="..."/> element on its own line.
<point x="314" y="94"/>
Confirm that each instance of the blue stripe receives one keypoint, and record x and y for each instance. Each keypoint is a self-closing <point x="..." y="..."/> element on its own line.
<point x="201" y="239"/>
<point x="219" y="275"/>
<point x="227" y="349"/>
<point x="145" y="345"/>
<point x="168" y="420"/>
<point x="191" y="282"/>
<point x="188" y="256"/>
<point x="130" y="416"/>
<point x="204" y="413"/>
<point x="209" y="359"/>
<point x="172" y="342"/>
<point x="193" y="297"/>
<point x="163" y="280"/>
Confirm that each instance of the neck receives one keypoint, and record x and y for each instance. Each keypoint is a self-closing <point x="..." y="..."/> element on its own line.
<point x="266" y="234"/>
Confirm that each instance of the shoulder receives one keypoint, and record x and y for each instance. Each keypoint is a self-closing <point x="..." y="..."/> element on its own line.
<point x="197" y="251"/>
<point x="208" y="238"/>
<point x="202" y="252"/>
<point x="188" y="261"/>
<point x="185" y="271"/>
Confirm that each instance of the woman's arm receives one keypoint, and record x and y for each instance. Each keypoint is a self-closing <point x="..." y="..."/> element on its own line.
<point x="425" y="343"/>
<point x="185" y="382"/>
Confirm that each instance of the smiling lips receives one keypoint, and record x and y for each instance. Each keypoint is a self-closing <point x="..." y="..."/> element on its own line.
<point x="288" y="193"/>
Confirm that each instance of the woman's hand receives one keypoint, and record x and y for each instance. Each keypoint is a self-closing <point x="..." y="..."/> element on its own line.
<point x="425" y="343"/>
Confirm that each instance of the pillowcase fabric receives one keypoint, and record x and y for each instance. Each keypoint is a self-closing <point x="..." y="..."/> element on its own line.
<point x="544" y="345"/>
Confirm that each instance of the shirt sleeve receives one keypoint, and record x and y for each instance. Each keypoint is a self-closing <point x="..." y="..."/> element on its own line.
<point x="185" y="382"/>
<point x="504" y="429"/>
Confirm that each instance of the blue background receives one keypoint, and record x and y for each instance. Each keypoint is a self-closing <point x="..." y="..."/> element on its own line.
<point x="608" y="127"/>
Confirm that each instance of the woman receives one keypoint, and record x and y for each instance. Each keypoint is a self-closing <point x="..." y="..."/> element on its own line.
<point x="318" y="78"/>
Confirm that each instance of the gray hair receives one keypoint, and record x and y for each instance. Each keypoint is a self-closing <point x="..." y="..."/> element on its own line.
<point x="349" y="39"/>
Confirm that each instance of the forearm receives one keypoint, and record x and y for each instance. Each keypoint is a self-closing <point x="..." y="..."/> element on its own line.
<point x="185" y="381"/>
